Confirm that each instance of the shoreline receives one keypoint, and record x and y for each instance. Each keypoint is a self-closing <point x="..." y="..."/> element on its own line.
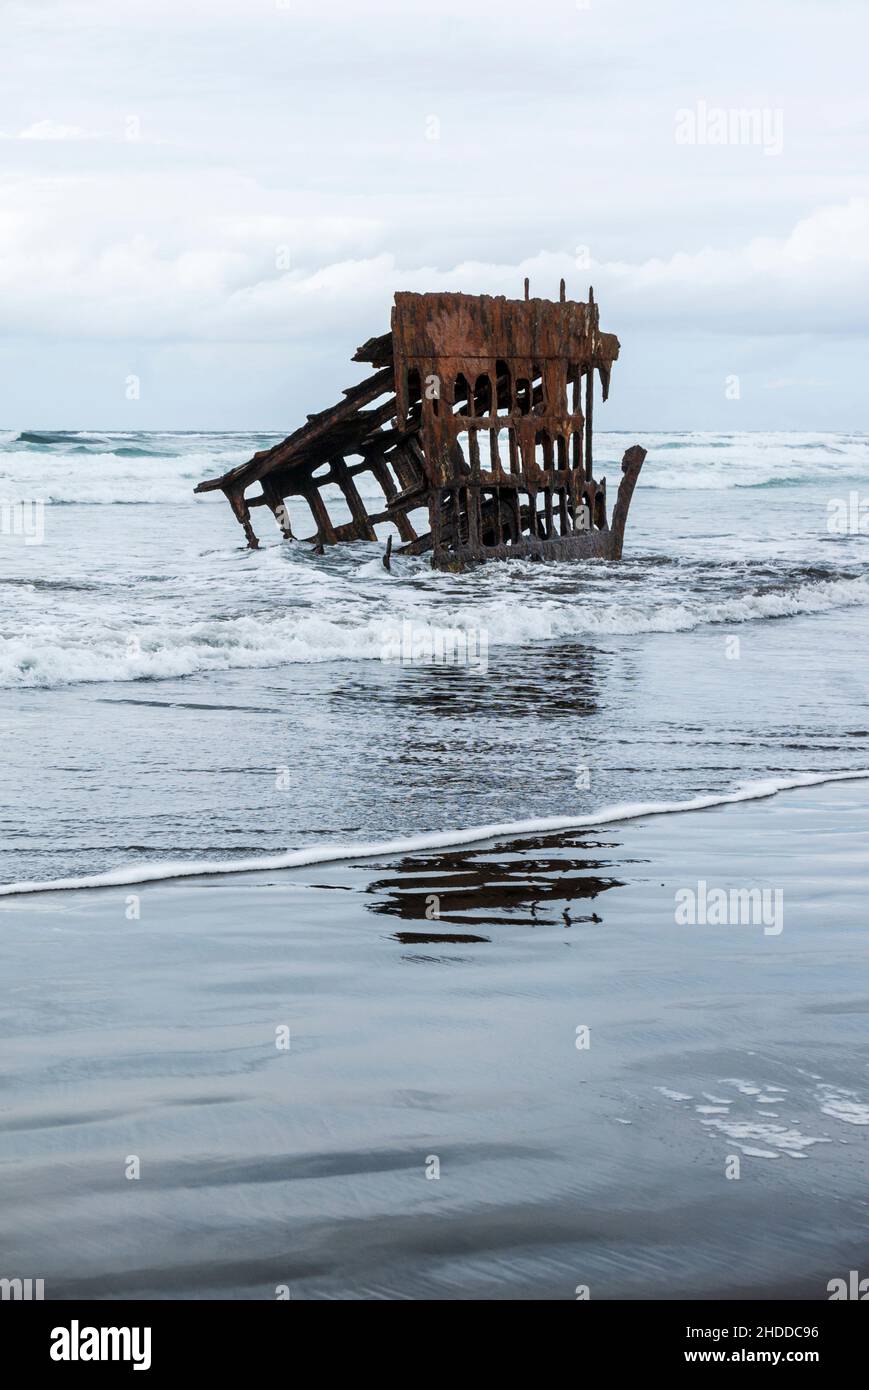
<point x="131" y="875"/>
<point x="558" y="1165"/>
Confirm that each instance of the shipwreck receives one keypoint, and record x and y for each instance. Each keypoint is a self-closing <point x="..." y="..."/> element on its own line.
<point x="478" y="418"/>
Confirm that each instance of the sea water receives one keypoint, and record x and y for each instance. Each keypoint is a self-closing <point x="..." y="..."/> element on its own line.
<point x="168" y="694"/>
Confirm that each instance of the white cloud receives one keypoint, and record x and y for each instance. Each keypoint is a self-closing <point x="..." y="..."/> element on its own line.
<point x="52" y="130"/>
<point x="280" y="186"/>
<point x="70" y="266"/>
<point x="790" y="383"/>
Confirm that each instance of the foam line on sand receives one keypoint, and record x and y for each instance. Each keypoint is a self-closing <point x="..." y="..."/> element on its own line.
<point x="439" y="839"/>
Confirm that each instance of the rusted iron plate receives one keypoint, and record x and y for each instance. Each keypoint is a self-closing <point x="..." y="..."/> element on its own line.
<point x="488" y="399"/>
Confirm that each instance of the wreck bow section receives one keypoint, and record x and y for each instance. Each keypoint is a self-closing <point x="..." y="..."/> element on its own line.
<point x="478" y="419"/>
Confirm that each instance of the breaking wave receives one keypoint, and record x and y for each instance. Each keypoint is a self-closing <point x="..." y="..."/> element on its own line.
<point x="45" y="652"/>
<point x="322" y="854"/>
<point x="95" y="468"/>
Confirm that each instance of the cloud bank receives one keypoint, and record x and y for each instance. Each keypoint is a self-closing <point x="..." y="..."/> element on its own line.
<point x="239" y="190"/>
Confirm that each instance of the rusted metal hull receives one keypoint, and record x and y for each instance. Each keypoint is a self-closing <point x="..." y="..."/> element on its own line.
<point x="604" y="543"/>
<point x="486" y="426"/>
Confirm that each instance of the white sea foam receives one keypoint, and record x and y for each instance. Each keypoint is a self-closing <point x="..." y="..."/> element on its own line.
<point x="99" y="469"/>
<point x="321" y="854"/>
<point x="44" y="652"/>
<point x="105" y="479"/>
<point x="779" y="1138"/>
<point x="843" y="1105"/>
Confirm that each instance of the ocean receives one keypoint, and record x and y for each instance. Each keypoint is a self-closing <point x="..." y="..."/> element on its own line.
<point x="168" y="694"/>
<point x="365" y="977"/>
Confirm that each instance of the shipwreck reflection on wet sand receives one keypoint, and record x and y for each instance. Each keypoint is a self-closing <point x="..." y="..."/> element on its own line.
<point x="477" y="888"/>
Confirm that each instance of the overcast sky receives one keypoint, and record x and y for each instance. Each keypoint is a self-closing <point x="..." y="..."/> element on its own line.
<point x="220" y="197"/>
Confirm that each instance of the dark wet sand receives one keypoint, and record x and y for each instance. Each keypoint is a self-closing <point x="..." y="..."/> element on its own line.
<point x="558" y="1167"/>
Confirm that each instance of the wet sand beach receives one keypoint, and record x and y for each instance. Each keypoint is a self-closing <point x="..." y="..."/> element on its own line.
<point x="432" y="1125"/>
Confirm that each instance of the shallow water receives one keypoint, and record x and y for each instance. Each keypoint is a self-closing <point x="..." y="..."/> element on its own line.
<point x="166" y="693"/>
<point x="158" y="1038"/>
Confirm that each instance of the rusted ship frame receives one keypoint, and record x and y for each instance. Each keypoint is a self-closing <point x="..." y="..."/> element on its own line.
<point x="454" y="369"/>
